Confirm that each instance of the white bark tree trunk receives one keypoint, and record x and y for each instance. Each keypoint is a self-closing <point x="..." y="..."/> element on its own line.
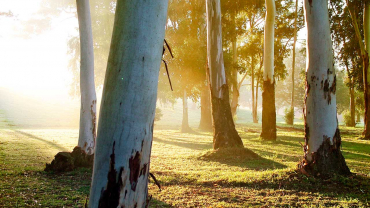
<point x="224" y="132"/>
<point x="87" y="132"/>
<point x="322" y="150"/>
<point x="214" y="47"/>
<point x="125" y="133"/>
<point x="268" y="95"/>
<point x="268" y="59"/>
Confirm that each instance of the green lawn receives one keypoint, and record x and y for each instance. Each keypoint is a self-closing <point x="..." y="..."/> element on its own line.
<point x="191" y="174"/>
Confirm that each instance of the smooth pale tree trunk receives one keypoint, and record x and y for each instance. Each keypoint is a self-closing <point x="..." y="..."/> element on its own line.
<point x="87" y="132"/>
<point x="293" y="61"/>
<point x="224" y="132"/>
<point x="322" y="154"/>
<point x="353" y="106"/>
<point x="185" y="115"/>
<point x="268" y="94"/>
<point x="125" y="133"/>
<point x="205" y="110"/>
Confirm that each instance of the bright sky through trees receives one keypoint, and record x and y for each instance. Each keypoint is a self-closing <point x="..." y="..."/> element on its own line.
<point x="36" y="65"/>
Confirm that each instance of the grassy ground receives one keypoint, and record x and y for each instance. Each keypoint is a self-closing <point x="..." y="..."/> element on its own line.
<point x="191" y="174"/>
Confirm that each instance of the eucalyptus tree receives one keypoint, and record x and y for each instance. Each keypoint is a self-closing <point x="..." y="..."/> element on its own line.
<point x="224" y="132"/>
<point x="125" y="132"/>
<point x="268" y="95"/>
<point x="322" y="154"/>
<point x="87" y="131"/>
<point x="364" y="48"/>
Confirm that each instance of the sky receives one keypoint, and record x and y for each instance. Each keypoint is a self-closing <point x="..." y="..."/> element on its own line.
<point x="38" y="64"/>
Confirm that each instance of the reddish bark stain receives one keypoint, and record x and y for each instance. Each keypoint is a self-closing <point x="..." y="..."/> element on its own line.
<point x="134" y="164"/>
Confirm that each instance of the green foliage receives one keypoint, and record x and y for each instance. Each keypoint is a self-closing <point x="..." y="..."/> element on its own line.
<point x="289" y="116"/>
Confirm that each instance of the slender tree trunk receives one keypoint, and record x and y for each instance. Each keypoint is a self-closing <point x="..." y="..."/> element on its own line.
<point x="235" y="98"/>
<point x="268" y="95"/>
<point x="123" y="148"/>
<point x="293" y="61"/>
<point x="365" y="60"/>
<point x="322" y="152"/>
<point x="224" y="132"/>
<point x="254" y="101"/>
<point x="353" y="110"/>
<point x="185" y="115"/>
<point x="205" y="110"/>
<point x="366" y="69"/>
<point x="87" y="132"/>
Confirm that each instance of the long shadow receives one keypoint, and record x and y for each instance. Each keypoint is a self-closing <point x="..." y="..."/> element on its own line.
<point x="61" y="148"/>
<point x="243" y="158"/>
<point x="355" y="186"/>
<point x="184" y="143"/>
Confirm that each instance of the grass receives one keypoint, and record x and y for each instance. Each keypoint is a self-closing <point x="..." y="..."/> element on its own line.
<point x="190" y="172"/>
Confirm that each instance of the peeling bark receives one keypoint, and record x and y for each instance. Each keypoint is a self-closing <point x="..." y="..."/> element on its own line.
<point x="224" y="132"/>
<point x="322" y="155"/>
<point x="327" y="160"/>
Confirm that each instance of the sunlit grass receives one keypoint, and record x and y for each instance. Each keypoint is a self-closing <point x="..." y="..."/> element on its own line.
<point x="190" y="172"/>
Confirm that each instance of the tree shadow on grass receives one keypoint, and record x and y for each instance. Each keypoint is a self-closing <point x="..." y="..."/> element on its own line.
<point x="184" y="143"/>
<point x="60" y="148"/>
<point x="240" y="157"/>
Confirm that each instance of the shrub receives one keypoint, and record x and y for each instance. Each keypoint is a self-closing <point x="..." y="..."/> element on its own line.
<point x="347" y="118"/>
<point x="289" y="116"/>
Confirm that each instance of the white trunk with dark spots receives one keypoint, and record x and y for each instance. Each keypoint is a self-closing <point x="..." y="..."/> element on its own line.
<point x="224" y="132"/>
<point x="320" y="112"/>
<point x="214" y="47"/>
<point x="125" y="133"/>
<point x="87" y="131"/>
<point x="268" y="55"/>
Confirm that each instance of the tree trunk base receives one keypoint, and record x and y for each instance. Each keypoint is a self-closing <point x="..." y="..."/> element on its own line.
<point x="327" y="161"/>
<point x="268" y="111"/>
<point x="68" y="161"/>
<point x="224" y="132"/>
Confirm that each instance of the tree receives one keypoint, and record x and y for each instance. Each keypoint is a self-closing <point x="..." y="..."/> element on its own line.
<point x="293" y="59"/>
<point x="125" y="133"/>
<point x="224" y="132"/>
<point x="268" y="95"/>
<point x="87" y="131"/>
<point x="365" y="58"/>
<point x="322" y="154"/>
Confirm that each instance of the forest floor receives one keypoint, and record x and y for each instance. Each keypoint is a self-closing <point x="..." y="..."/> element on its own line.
<point x="190" y="172"/>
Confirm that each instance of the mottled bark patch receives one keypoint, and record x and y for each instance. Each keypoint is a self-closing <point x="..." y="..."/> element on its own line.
<point x="225" y="134"/>
<point x="90" y="150"/>
<point x="134" y="164"/>
<point x="327" y="160"/>
<point x="269" y="111"/>
<point x="109" y="197"/>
